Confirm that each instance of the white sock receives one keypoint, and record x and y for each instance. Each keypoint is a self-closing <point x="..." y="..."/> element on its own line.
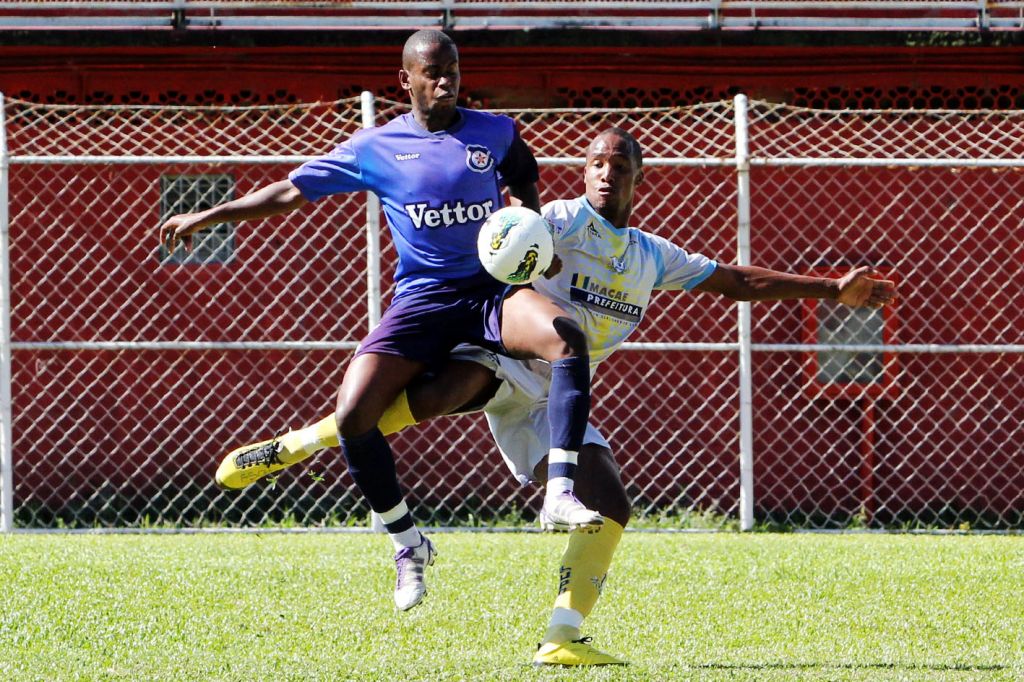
<point x="564" y="625"/>
<point x="561" y="471"/>
<point x="410" y="537"/>
<point x="309" y="440"/>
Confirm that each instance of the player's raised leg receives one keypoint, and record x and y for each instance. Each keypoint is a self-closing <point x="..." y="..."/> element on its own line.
<point x="533" y="326"/>
<point x="371" y="383"/>
<point x="249" y="463"/>
<point x="458" y="386"/>
<point x="583" y="569"/>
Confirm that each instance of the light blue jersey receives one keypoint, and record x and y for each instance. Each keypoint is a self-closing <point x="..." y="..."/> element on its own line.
<point x="608" y="276"/>
<point x="436" y="188"/>
<point x="609" y="273"/>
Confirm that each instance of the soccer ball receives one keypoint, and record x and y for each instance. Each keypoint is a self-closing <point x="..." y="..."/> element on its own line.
<point x="515" y="245"/>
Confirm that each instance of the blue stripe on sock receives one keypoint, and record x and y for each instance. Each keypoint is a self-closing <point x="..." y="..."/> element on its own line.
<point x="561" y="469"/>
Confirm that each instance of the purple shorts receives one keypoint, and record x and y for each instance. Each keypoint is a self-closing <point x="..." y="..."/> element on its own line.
<point x="425" y="325"/>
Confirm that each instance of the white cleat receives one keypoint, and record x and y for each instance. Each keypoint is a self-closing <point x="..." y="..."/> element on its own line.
<point x="565" y="512"/>
<point x="411" y="563"/>
<point x="546" y="524"/>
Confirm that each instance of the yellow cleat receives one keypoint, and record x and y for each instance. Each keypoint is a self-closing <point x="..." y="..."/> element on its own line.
<point x="246" y="465"/>
<point x="576" y="652"/>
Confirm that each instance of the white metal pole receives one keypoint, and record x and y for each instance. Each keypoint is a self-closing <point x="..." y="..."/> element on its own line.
<point x="373" y="295"/>
<point x="743" y="258"/>
<point x="373" y="304"/>
<point x="6" y="414"/>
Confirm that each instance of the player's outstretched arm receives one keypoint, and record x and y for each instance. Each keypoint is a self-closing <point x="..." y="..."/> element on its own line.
<point x="273" y="199"/>
<point x="747" y="283"/>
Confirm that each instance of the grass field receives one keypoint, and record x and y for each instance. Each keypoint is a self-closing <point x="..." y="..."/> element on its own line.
<point x="680" y="606"/>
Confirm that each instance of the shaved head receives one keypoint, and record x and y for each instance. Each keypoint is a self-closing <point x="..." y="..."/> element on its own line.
<point x="421" y="41"/>
<point x="636" y="153"/>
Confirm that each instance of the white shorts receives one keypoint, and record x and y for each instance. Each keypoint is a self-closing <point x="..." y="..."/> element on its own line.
<point x="518" y="413"/>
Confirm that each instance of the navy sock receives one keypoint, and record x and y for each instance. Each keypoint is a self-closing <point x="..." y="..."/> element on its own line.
<point x="372" y="465"/>
<point x="569" y="402"/>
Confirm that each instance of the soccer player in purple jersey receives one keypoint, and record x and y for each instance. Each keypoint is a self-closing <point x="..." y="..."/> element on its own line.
<point x="438" y="171"/>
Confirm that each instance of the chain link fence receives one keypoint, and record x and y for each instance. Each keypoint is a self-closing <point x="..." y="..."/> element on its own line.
<point x="132" y="371"/>
<point x="931" y="435"/>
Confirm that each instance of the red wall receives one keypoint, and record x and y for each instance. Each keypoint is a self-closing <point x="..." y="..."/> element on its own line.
<point x="699" y="427"/>
<point x="965" y="77"/>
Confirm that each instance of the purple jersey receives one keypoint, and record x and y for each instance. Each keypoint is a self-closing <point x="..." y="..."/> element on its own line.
<point x="436" y="188"/>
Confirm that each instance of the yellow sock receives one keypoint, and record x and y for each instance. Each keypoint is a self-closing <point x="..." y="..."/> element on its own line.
<point x="582" y="574"/>
<point x="397" y="417"/>
<point x="309" y="440"/>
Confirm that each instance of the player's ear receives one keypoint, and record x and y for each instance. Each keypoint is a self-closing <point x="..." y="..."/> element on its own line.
<point x="639" y="178"/>
<point x="403" y="79"/>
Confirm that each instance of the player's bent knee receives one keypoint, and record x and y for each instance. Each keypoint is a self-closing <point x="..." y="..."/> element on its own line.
<point x="354" y="422"/>
<point x="606" y="490"/>
<point x="621" y="508"/>
<point x="572" y="335"/>
<point x="564" y="340"/>
<point x="614" y="501"/>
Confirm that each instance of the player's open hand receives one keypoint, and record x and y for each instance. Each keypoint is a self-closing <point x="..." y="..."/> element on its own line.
<point x="858" y="289"/>
<point x="180" y="228"/>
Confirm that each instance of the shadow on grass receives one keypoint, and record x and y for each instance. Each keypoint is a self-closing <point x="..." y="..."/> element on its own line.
<point x="940" y="667"/>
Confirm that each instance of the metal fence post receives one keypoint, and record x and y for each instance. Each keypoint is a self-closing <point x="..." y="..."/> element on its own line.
<point x="743" y="258"/>
<point x="6" y="447"/>
<point x="373" y="294"/>
<point x="373" y="304"/>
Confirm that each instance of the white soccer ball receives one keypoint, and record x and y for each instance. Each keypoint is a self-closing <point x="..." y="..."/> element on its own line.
<point x="515" y="245"/>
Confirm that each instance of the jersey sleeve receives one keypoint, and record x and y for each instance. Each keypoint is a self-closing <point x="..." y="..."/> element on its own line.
<point x="337" y="172"/>
<point x="560" y="215"/>
<point x="519" y="167"/>
<point x="679" y="269"/>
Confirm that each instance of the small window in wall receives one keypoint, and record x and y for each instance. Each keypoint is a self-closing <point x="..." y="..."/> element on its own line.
<point x="849" y="373"/>
<point x="841" y="325"/>
<point x="190" y="193"/>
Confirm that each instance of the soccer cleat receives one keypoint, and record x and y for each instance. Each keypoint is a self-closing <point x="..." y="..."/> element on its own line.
<point x="565" y="512"/>
<point x="411" y="563"/>
<point x="546" y="524"/>
<point x="246" y="465"/>
<point x="576" y="652"/>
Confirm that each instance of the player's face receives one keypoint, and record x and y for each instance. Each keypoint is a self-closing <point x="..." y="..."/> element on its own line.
<point x="433" y="82"/>
<point x="611" y="176"/>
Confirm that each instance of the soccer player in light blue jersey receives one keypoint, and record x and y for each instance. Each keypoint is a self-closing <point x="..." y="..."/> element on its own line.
<point x="439" y="172"/>
<point x="606" y="275"/>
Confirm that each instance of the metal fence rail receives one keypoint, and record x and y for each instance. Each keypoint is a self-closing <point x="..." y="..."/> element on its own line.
<point x="686" y="15"/>
<point x="130" y="374"/>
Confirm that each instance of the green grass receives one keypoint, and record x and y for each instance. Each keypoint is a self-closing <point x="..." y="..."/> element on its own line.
<point x="678" y="606"/>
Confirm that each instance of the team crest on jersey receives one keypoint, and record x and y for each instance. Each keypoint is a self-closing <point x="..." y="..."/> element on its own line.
<point x="478" y="158"/>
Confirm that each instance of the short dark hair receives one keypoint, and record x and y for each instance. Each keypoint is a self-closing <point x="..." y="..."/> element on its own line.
<point x="636" y="152"/>
<point x="422" y="39"/>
